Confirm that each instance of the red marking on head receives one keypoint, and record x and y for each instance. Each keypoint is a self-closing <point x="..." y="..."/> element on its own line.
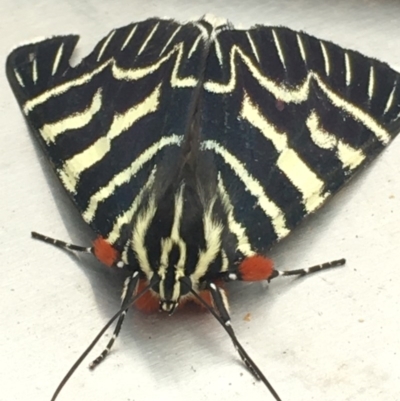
<point x="149" y="302"/>
<point x="104" y="251"/>
<point x="256" y="268"/>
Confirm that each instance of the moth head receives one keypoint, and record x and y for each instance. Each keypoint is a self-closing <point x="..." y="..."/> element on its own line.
<point x="172" y="293"/>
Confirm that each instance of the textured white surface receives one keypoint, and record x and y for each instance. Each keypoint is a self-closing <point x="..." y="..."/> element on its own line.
<point x="332" y="337"/>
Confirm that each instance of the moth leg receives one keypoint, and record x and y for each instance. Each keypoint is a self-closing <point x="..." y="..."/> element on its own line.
<point x="101" y="249"/>
<point x="127" y="293"/>
<point x="61" y="244"/>
<point x="308" y="270"/>
<point x="220" y="304"/>
<point x="219" y="310"/>
<point x="258" y="268"/>
<point x="126" y="298"/>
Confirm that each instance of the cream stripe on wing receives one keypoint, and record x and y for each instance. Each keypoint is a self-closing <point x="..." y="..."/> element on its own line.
<point x="127" y="215"/>
<point x="19" y="79"/>
<point x="74" y="167"/>
<point x="389" y="102"/>
<point x="303" y="178"/>
<point x="364" y="118"/>
<point x="218" y="51"/>
<point x="349" y="156"/>
<point x="139" y="234"/>
<point x="347" y="67"/>
<point x="325" y="54"/>
<point x="63" y="88"/>
<point x="234" y="226"/>
<point x="212" y="235"/>
<point x="297" y="94"/>
<point x="170" y="40"/>
<point x="301" y="47"/>
<point x="276" y="215"/>
<point x="129" y="37"/>
<point x="50" y="132"/>
<point x="253" y="46"/>
<point x="371" y="82"/>
<point x="203" y="30"/>
<point x="129" y="74"/>
<point x="127" y="174"/>
<point x="105" y="44"/>
<point x="194" y="47"/>
<point x="34" y="71"/>
<point x="57" y="59"/>
<point x="279" y="48"/>
<point x="300" y="175"/>
<point x="135" y="74"/>
<point x="151" y="34"/>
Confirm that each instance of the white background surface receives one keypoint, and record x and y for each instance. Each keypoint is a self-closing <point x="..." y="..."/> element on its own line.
<point x="332" y="337"/>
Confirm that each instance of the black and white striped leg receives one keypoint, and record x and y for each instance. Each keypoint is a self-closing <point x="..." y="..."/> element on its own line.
<point x="107" y="349"/>
<point x="223" y="318"/>
<point x="219" y="302"/>
<point x="308" y="270"/>
<point x="61" y="244"/>
<point x="129" y="289"/>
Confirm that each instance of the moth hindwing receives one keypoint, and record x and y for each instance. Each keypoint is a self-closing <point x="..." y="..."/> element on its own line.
<point x="190" y="149"/>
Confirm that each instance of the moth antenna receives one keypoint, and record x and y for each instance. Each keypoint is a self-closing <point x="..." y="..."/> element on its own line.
<point x="308" y="270"/>
<point x="224" y="319"/>
<point x="61" y="244"/>
<point x="134" y="279"/>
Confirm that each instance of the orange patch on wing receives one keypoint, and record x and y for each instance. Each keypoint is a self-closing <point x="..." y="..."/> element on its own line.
<point x="256" y="268"/>
<point x="105" y="252"/>
<point x="149" y="302"/>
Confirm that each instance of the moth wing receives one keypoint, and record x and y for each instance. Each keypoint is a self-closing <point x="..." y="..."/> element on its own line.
<point x="108" y="123"/>
<point x="289" y="119"/>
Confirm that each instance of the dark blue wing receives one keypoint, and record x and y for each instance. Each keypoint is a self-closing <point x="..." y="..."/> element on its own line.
<point x="107" y="123"/>
<point x="289" y="119"/>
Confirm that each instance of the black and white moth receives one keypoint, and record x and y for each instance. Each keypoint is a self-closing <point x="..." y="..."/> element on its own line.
<point x="190" y="149"/>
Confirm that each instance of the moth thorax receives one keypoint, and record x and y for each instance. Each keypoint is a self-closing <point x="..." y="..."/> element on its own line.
<point x="177" y="236"/>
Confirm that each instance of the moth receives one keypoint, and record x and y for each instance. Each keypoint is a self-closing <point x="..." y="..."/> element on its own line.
<point x="191" y="148"/>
